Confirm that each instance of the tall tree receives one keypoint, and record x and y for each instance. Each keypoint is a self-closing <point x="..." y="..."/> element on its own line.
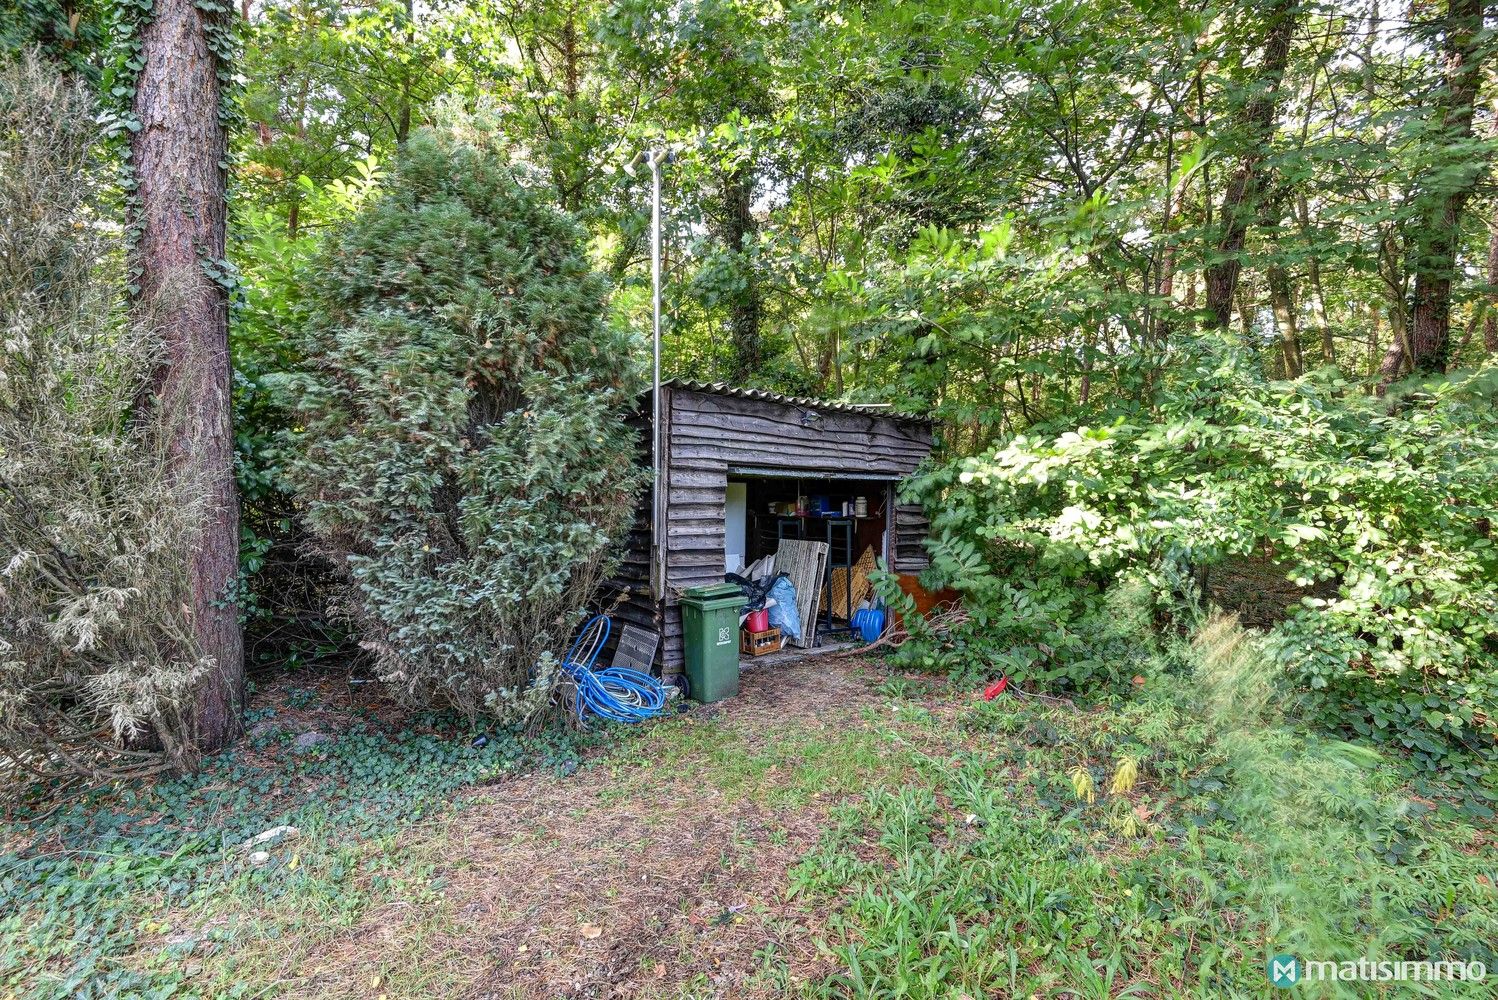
<point x="1451" y="176"/>
<point x="1240" y="198"/>
<point x="1490" y="314"/>
<point x="178" y="154"/>
<point x="1286" y="323"/>
<point x="745" y="305"/>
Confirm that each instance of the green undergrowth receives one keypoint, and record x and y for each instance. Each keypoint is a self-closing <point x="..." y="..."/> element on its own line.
<point x="786" y="768"/>
<point x="134" y="891"/>
<point x="1160" y="845"/>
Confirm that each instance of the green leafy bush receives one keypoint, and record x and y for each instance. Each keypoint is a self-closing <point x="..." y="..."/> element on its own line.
<point x="1056" y="633"/>
<point x="1384" y="504"/>
<point x="464" y="457"/>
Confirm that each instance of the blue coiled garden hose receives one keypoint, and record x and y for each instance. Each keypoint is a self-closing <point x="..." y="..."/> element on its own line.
<point x="618" y="694"/>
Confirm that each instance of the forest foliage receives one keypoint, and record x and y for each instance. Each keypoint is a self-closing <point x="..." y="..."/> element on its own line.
<point x="1179" y="284"/>
<point x="1185" y="289"/>
<point x="1377" y="511"/>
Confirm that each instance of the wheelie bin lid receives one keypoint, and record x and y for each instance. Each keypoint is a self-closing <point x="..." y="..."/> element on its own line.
<point x="714" y="595"/>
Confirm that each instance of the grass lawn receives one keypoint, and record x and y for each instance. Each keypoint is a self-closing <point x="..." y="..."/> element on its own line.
<point x="834" y="831"/>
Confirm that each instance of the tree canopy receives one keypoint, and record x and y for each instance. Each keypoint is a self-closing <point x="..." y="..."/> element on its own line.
<point x="1083" y="183"/>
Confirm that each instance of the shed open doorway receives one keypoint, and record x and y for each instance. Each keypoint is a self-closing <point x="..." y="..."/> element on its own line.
<point x="852" y="516"/>
<point x="726" y="454"/>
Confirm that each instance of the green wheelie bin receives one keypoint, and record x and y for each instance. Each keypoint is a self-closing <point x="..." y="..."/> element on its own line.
<point x="710" y="627"/>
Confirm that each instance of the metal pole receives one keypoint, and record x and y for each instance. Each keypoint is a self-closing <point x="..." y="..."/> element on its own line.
<point x="657" y="532"/>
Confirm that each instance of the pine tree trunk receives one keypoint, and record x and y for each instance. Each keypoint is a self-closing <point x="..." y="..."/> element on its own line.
<point x="1285" y="322"/>
<point x="1240" y="198"/>
<point x="1490" y="320"/>
<point x="1396" y="358"/>
<point x="178" y="158"/>
<point x="1430" y="321"/>
<point x="1439" y="234"/>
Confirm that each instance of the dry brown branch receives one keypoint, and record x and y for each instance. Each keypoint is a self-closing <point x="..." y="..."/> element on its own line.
<point x="939" y="621"/>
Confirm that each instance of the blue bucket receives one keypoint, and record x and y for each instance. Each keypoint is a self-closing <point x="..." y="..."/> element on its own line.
<point x="870" y="623"/>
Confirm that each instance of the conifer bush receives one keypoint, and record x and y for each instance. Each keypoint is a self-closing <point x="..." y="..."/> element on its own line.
<point x="97" y="655"/>
<point x="464" y="457"/>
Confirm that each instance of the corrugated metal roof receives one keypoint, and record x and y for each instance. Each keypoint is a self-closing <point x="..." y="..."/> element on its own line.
<point x="724" y="389"/>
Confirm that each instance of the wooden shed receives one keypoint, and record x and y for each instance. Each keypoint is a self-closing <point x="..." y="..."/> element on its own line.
<point x="737" y="464"/>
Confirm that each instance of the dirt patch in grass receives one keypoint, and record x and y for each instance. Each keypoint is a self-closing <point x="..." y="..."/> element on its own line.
<point x="620" y="881"/>
<point x="324" y="701"/>
<point x="1258" y="591"/>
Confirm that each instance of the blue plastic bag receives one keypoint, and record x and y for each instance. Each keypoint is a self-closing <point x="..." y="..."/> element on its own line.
<point x="783" y="613"/>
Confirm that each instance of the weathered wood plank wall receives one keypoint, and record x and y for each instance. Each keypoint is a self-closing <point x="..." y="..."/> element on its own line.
<point x="911" y="528"/>
<point x="714" y="435"/>
<point x="626" y="594"/>
<point x="709" y="436"/>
